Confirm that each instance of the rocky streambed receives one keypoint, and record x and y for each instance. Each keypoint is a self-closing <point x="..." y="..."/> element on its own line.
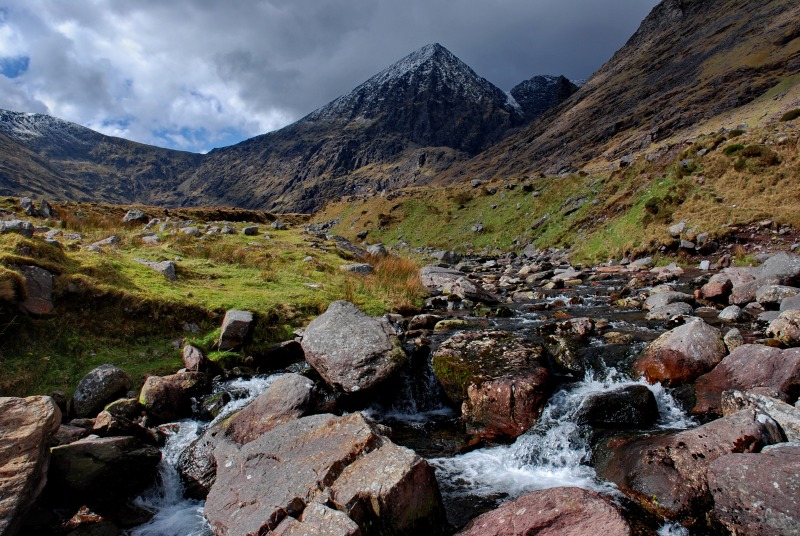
<point x="530" y="397"/>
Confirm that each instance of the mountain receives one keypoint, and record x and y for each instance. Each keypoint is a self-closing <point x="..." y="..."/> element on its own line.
<point x="45" y="156"/>
<point x="540" y="93"/>
<point x="689" y="61"/>
<point x="404" y="125"/>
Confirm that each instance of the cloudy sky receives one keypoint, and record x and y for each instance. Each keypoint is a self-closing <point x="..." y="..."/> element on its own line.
<point x="198" y="74"/>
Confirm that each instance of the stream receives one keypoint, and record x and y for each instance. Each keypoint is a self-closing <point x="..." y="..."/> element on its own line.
<point x="554" y="452"/>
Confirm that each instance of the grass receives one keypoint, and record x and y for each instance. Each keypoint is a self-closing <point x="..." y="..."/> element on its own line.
<point x="111" y="308"/>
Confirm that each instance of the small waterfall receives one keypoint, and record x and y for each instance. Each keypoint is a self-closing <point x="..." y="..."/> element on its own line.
<point x="174" y="514"/>
<point x="554" y="452"/>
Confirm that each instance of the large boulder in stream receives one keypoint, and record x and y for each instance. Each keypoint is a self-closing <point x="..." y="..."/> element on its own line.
<point x="454" y="282"/>
<point x="750" y="366"/>
<point x="499" y="379"/>
<point x="100" y="386"/>
<point x="757" y="493"/>
<point x="288" y="398"/>
<point x="342" y="462"/>
<point x="350" y="350"/>
<point x="552" y="512"/>
<point x="682" y="354"/>
<point x="666" y="474"/>
<point x="632" y="406"/>
<point x="169" y="398"/>
<point x="26" y="427"/>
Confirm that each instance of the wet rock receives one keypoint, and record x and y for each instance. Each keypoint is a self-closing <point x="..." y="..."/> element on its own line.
<point x="27" y="426"/>
<point x="663" y="299"/>
<point x="287" y="399"/>
<point x="670" y="311"/>
<point x="666" y="474"/>
<point x="108" y="425"/>
<point x="552" y="512"/>
<point x="169" y="398"/>
<point x="682" y="354"/>
<point x="499" y="379"/>
<point x="103" y="469"/>
<point x="281" y="355"/>
<point x="747" y="367"/>
<point x="786" y="328"/>
<point x="100" y="386"/>
<point x="135" y="216"/>
<point x="452" y="324"/>
<point x="732" y="313"/>
<point x="771" y="296"/>
<point x="360" y="268"/>
<point x="786" y="415"/>
<point x="236" y="327"/>
<point x="578" y="327"/>
<point x="567" y="354"/>
<point x="67" y="434"/>
<point x="19" y="227"/>
<point x="38" y="290"/>
<point x="757" y="493"/>
<point x="350" y="350"/>
<point x="633" y="406"/>
<point x="323" y="458"/>
<point x="318" y="520"/>
<point x="424" y="321"/>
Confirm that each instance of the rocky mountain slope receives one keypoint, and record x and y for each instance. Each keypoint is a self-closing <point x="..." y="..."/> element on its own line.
<point x="540" y="93"/>
<point x="46" y="156"/>
<point x="688" y="62"/>
<point x="403" y="125"/>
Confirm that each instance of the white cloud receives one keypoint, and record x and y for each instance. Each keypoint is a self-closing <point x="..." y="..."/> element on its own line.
<point x="194" y="74"/>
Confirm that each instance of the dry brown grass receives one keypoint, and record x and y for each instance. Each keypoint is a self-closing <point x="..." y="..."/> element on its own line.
<point x="398" y="280"/>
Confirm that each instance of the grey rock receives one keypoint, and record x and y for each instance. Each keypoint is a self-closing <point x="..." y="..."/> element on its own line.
<point x="773" y="295"/>
<point x="676" y="230"/>
<point x="250" y="230"/>
<point x="278" y="225"/>
<point x="167" y="268"/>
<point x="733" y="339"/>
<point x="732" y="313"/>
<point x="100" y="386"/>
<point x="447" y="257"/>
<point x="672" y="310"/>
<point x="786" y="415"/>
<point x="19" y="227"/>
<point x="377" y="250"/>
<point x="788" y="304"/>
<point x="135" y="215"/>
<point x="643" y="263"/>
<point x="190" y="231"/>
<point x="350" y="350"/>
<point x="358" y="268"/>
<point x="236" y="327"/>
<point x="662" y="299"/>
<point x="110" y="241"/>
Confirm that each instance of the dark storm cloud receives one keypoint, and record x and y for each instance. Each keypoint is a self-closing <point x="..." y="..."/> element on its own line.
<point x="195" y="74"/>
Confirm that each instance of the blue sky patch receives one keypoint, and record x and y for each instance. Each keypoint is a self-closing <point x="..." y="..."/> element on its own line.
<point x="13" y="67"/>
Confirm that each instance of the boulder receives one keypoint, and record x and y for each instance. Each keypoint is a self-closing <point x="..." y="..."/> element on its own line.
<point x="786" y="415"/>
<point x="103" y="469"/>
<point x="135" y="216"/>
<point x="682" y="354"/>
<point x="747" y="367"/>
<point x="377" y="250"/>
<point x="194" y="360"/>
<point x="350" y="350"/>
<point x="465" y="289"/>
<point x="780" y="269"/>
<point x="771" y="296"/>
<point x="167" y="268"/>
<point x="552" y="512"/>
<point x="27" y="426"/>
<point x="108" y="425"/>
<point x="732" y="313"/>
<point x="38" y="290"/>
<point x="435" y="277"/>
<point x="110" y="241"/>
<point x="250" y="230"/>
<point x="358" y="268"/>
<point x="786" y="328"/>
<point x="757" y="493"/>
<point x="196" y="464"/>
<point x="633" y="406"/>
<point x="578" y="327"/>
<point x="287" y="399"/>
<point x="169" y="398"/>
<point x="100" y="386"/>
<point x="341" y="461"/>
<point x="236" y="327"/>
<point x="19" y="227"/>
<point x="663" y="299"/>
<point x="733" y="339"/>
<point x="278" y="225"/>
<point x="318" y="520"/>
<point x="666" y="474"/>
<point x="499" y="379"/>
<point x="670" y="311"/>
<point x="792" y="303"/>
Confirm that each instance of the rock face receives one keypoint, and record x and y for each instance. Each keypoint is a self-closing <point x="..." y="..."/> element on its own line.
<point x="757" y="493"/>
<point x="26" y="428"/>
<point x="552" y="512"/>
<point x="350" y="350"/>
<point x="235" y="328"/>
<point x="100" y="386"/>
<point x="499" y="379"/>
<point x="103" y="468"/>
<point x="342" y="461"/>
<point x="541" y="93"/>
<point x="682" y="354"/>
<point x="628" y="407"/>
<point x="667" y="474"/>
<point x="749" y="366"/>
<point x="38" y="290"/>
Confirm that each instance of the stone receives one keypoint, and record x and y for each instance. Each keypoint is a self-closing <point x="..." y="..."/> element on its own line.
<point x="780" y="269"/>
<point x="500" y="381"/>
<point x="465" y="289"/>
<point x="435" y="277"/>
<point x="705" y="265"/>
<point x="282" y="355"/>
<point x="633" y="406"/>
<point x="68" y="434"/>
<point x="350" y="350"/>
<point x="108" y="425"/>
<point x="771" y="296"/>
<point x="278" y="225"/>
<point x="19" y="227"/>
<point x="732" y="313"/>
<point x="552" y="512"/>
<point x="672" y="310"/>
<point x="579" y="327"/>
<point x="666" y="474"/>
<point x="682" y="354"/>
<point x="757" y="493"/>
<point x="39" y="285"/>
<point x="358" y="268"/>
<point x="288" y="398"/>
<point x="663" y="299"/>
<point x="167" y="268"/>
<point x="424" y="321"/>
<point x="786" y="328"/>
<point x="100" y="386"/>
<point x="733" y="339"/>
<point x="318" y="520"/>
<point x="447" y="257"/>
<point x="110" y="241"/>
<point x="747" y="367"/>
<point x="792" y="303"/>
<point x="377" y="250"/>
<point x="236" y="327"/>
<point x="27" y="427"/>
<point x="135" y="216"/>
<point x="194" y="359"/>
<point x="676" y="230"/>
<point x="101" y="469"/>
<point x="169" y="398"/>
<point x="786" y="415"/>
<point x="718" y="287"/>
<point x="250" y="230"/>
<point x="342" y="461"/>
<point x="641" y="264"/>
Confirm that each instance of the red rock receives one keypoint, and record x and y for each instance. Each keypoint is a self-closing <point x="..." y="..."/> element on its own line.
<point x="552" y="512"/>
<point x="747" y="367"/>
<point x="682" y="354"/>
<point x="38" y="290"/>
